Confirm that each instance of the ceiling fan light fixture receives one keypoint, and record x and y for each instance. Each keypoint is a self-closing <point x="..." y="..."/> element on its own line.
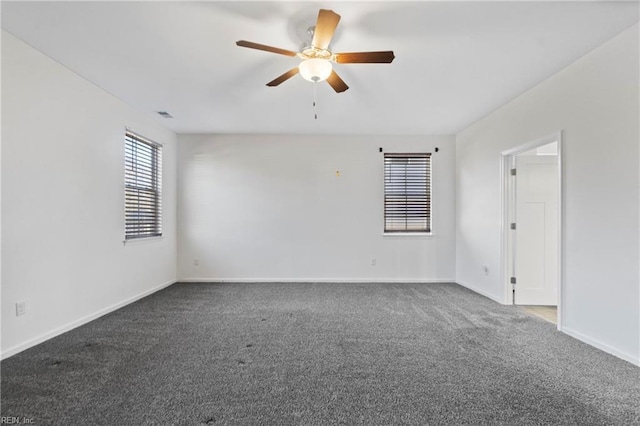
<point x="317" y="58"/>
<point x="315" y="69"/>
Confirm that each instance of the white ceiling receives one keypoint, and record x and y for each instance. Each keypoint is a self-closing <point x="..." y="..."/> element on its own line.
<point x="455" y="61"/>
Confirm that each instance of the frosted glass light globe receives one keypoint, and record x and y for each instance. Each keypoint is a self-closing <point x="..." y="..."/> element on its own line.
<point x="315" y="69"/>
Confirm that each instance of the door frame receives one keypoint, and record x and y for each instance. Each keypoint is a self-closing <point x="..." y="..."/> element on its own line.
<point x="507" y="189"/>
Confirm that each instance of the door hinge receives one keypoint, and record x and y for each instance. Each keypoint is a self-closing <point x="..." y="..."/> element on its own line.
<point x="513" y="172"/>
<point x="513" y="280"/>
<point x="513" y="225"/>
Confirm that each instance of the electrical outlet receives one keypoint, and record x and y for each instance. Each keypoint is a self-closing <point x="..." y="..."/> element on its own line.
<point x="195" y="262"/>
<point x="21" y="308"/>
<point x="373" y="262"/>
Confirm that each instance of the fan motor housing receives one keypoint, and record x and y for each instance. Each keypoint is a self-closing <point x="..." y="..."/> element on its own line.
<point x="311" y="52"/>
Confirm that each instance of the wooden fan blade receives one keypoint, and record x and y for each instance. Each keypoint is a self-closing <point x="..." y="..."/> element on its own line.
<point x="336" y="82"/>
<point x="252" y="45"/>
<point x="325" y="27"/>
<point x="284" y="77"/>
<point x="385" y="57"/>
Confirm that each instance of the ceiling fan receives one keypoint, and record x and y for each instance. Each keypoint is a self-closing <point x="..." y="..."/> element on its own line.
<point x="316" y="59"/>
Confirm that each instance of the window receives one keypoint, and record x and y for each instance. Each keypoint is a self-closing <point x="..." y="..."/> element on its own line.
<point x="407" y="193"/>
<point x="143" y="187"/>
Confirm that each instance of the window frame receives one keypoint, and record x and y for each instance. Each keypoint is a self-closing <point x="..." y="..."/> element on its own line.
<point x="142" y="187"/>
<point x="426" y="194"/>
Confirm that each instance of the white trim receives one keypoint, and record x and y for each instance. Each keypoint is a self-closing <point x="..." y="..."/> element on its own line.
<point x="506" y="161"/>
<point x="506" y="164"/>
<point x="408" y="234"/>
<point x="553" y="137"/>
<point x="428" y="234"/>
<point x="70" y="326"/>
<point x="481" y="292"/>
<point x="318" y="280"/>
<point x="560" y="311"/>
<point x="141" y="240"/>
<point x="602" y="346"/>
<point x="141" y="137"/>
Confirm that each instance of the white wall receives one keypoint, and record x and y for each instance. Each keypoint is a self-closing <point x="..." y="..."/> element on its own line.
<point x="595" y="103"/>
<point x="62" y="200"/>
<point x="270" y="207"/>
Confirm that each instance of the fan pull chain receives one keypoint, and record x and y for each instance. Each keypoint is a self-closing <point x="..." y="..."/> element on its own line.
<point x="315" y="114"/>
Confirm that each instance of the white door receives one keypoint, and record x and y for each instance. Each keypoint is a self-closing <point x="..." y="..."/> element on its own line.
<point x="536" y="233"/>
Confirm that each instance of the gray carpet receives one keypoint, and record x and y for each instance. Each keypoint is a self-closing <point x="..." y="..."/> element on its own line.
<point x="319" y="354"/>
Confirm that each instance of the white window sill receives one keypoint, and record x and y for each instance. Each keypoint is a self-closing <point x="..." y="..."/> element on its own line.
<point x="145" y="240"/>
<point x="408" y="234"/>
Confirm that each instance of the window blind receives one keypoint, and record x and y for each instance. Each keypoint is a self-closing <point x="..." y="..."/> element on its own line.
<point x="143" y="187"/>
<point x="407" y="192"/>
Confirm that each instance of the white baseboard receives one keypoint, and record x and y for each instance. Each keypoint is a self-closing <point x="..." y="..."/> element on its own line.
<point x="589" y="341"/>
<point x="58" y="331"/>
<point x="46" y="336"/>
<point x="482" y="292"/>
<point x="602" y="346"/>
<point x="316" y="280"/>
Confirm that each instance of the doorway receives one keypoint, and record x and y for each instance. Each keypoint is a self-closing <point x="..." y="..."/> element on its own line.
<point x="532" y="224"/>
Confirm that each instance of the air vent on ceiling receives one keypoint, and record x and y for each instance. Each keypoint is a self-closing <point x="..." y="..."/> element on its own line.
<point x="165" y="114"/>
